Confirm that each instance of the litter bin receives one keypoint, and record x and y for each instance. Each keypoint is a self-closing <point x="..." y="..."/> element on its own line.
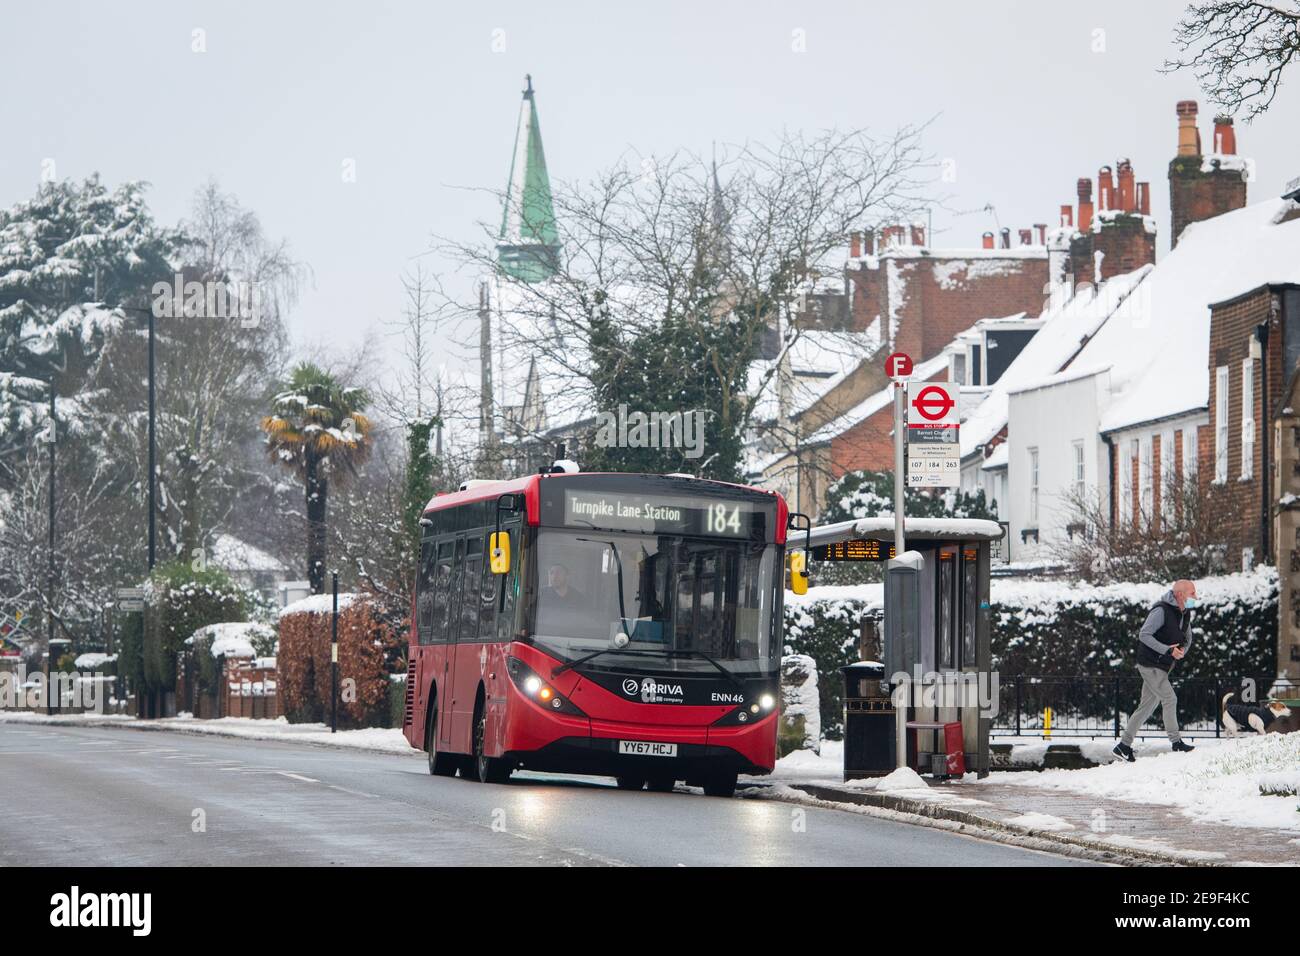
<point x="870" y="739"/>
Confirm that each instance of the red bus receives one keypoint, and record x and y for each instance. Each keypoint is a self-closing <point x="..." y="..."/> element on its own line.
<point x="631" y="628"/>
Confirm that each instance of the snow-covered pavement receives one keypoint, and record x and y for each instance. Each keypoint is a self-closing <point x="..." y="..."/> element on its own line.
<point x="1219" y="782"/>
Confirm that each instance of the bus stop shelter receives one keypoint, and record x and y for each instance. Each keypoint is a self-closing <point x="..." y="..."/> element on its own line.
<point x="946" y="654"/>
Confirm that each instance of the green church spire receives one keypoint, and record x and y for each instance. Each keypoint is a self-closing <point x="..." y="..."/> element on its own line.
<point x="528" y="246"/>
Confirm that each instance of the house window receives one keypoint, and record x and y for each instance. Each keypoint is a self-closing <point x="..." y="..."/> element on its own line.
<point x="1168" y="493"/>
<point x="1080" y="483"/>
<point x="1247" y="419"/>
<point x="959" y="368"/>
<point x="1033" y="487"/>
<point x="1144" y="476"/>
<point x="1221" y="424"/>
<point x="1125" y="482"/>
<point x="1189" y="451"/>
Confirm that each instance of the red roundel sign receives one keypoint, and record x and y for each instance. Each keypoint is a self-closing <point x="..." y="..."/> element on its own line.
<point x="898" y="365"/>
<point x="934" y="404"/>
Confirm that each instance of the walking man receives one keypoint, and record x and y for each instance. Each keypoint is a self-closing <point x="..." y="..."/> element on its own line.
<point x="1165" y="638"/>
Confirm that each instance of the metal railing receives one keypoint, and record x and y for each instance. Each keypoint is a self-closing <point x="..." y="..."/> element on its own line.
<point x="1034" y="706"/>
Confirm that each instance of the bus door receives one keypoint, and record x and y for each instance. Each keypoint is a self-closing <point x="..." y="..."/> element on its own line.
<point x="470" y="651"/>
<point x="451" y="611"/>
<point x="431" y="673"/>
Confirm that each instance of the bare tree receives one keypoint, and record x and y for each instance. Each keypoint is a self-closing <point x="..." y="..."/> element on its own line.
<point x="1238" y="49"/>
<point x="1183" y="538"/>
<point x="653" y="240"/>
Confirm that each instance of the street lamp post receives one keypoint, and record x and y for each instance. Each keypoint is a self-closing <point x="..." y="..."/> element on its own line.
<point x="153" y="467"/>
<point x="49" y="593"/>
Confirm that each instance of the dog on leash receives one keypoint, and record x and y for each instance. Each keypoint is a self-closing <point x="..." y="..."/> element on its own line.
<point x="1273" y="717"/>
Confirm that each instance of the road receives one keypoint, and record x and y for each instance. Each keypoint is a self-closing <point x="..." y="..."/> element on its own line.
<point x="103" y="797"/>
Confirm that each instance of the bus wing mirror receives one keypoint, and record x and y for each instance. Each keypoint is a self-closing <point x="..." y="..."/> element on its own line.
<point x="798" y="572"/>
<point x="499" y="551"/>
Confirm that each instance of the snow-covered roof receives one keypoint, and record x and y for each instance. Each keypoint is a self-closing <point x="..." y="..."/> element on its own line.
<point x="1067" y="325"/>
<point x="1070" y="374"/>
<point x="1158" y="345"/>
<point x="998" y="459"/>
<point x="874" y="403"/>
<point x="882" y="527"/>
<point x="232" y="554"/>
<point x="233" y="638"/>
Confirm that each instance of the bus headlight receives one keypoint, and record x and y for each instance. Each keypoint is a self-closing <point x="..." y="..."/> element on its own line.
<point x="757" y="707"/>
<point x="532" y="686"/>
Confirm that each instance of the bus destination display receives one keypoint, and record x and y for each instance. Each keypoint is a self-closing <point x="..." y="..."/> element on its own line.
<point x="658" y="514"/>
<point x="862" y="549"/>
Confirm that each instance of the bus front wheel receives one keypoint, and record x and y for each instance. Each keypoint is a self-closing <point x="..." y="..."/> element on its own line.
<point x="488" y="769"/>
<point x="720" y="785"/>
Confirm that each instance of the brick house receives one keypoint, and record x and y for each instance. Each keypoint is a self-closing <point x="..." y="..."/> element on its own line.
<point x="898" y="294"/>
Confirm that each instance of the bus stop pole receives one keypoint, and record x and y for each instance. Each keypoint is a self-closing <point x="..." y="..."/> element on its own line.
<point x="900" y="546"/>
<point x="899" y="474"/>
<point x="334" y="660"/>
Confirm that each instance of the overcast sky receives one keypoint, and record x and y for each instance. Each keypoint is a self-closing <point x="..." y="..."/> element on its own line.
<point x="415" y="95"/>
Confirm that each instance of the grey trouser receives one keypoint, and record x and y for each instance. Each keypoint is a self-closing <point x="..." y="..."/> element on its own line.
<point x="1156" y="690"/>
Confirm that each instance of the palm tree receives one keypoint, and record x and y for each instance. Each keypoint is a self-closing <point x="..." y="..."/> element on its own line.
<point x="316" y="430"/>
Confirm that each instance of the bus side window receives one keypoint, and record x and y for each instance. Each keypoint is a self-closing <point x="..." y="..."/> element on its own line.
<point x="424" y="593"/>
<point x="473" y="579"/>
<point x="441" y="597"/>
<point x="452" y="616"/>
<point x="487" y="604"/>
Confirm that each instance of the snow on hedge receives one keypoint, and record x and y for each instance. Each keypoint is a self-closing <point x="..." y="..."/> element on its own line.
<point x="234" y="638"/>
<point x="319" y="604"/>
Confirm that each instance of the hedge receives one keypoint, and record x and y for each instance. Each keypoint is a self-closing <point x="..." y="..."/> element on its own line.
<point x="368" y="643"/>
<point x="1058" y="628"/>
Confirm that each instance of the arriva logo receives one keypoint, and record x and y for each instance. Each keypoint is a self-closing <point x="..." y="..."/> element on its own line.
<point x="631" y="687"/>
<point x="652" y="690"/>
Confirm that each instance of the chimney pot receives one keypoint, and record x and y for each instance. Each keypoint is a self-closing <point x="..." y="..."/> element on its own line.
<point x="1040" y="233"/>
<point x="988" y="240"/>
<point x="1144" y="199"/>
<point x="1006" y="237"/>
<point x="1067" y="215"/>
<point x="855" y="245"/>
<point x="1225" y="136"/>
<point x="1105" y="189"/>
<point x="1127" y="199"/>
<point x="918" y="235"/>
<point x="1026" y="237"/>
<point x="869" y="242"/>
<point x="1189" y="137"/>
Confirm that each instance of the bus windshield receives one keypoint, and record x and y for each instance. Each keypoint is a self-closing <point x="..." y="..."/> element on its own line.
<point x="682" y="603"/>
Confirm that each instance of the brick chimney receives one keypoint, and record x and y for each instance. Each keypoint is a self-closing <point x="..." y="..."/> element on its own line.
<point x="1201" y="189"/>
<point x="1116" y="240"/>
